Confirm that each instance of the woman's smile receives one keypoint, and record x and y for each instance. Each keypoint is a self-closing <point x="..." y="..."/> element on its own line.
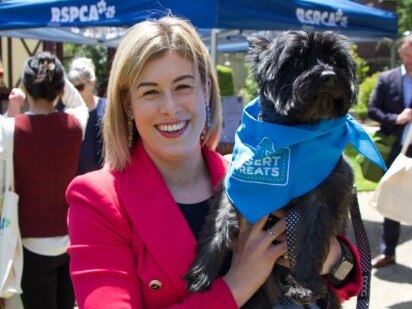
<point x="173" y="130"/>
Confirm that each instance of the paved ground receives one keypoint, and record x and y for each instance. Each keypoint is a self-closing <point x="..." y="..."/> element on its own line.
<point x="391" y="287"/>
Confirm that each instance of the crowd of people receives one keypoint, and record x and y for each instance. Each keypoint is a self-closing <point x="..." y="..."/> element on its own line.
<point x="122" y="234"/>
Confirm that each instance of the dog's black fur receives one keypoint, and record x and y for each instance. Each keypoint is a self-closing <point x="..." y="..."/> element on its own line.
<point x="303" y="76"/>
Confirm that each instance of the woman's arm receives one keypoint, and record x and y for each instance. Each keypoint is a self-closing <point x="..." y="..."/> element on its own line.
<point x="75" y="104"/>
<point x="17" y="98"/>
<point x="377" y="107"/>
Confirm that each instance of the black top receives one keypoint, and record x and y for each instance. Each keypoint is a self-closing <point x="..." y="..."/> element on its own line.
<point x="195" y="215"/>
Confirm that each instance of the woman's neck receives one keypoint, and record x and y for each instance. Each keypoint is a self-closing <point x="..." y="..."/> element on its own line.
<point x="41" y="106"/>
<point x="188" y="180"/>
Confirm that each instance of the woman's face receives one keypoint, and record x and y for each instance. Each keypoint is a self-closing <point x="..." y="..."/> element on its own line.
<point x="168" y="105"/>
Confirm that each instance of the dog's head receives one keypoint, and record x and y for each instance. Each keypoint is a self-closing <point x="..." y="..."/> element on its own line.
<point x="303" y="76"/>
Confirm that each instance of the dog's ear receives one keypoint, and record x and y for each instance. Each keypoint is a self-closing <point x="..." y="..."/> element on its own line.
<point x="257" y="44"/>
<point x="256" y="47"/>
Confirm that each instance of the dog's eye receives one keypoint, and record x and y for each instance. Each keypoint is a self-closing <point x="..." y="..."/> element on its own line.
<point x="296" y="62"/>
<point x="333" y="60"/>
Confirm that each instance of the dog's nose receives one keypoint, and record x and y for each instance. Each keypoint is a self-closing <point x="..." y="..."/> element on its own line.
<point x="328" y="77"/>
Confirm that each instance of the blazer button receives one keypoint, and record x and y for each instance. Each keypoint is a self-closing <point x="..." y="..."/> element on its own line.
<point x="155" y="285"/>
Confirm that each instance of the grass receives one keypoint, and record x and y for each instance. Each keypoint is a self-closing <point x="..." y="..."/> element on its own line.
<point x="362" y="184"/>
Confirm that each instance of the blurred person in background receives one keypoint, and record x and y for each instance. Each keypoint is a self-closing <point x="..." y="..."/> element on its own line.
<point x="82" y="76"/>
<point x="46" y="153"/>
<point x="390" y="105"/>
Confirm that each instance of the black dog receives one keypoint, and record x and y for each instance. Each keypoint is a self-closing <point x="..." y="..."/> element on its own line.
<point x="303" y="77"/>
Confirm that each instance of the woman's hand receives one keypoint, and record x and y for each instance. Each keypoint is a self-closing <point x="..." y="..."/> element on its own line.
<point x="253" y="259"/>
<point x="404" y="117"/>
<point x="17" y="98"/>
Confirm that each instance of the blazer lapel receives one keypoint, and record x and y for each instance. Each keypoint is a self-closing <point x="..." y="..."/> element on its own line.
<point x="399" y="87"/>
<point x="155" y="215"/>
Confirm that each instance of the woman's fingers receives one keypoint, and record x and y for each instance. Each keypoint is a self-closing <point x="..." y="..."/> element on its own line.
<point x="276" y="232"/>
<point x="253" y="258"/>
<point x="265" y="240"/>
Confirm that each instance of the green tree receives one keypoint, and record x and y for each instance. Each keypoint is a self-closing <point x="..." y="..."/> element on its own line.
<point x="225" y="79"/>
<point x="362" y="67"/>
<point x="404" y="10"/>
<point x="366" y="89"/>
<point x="99" y="56"/>
<point x="250" y="90"/>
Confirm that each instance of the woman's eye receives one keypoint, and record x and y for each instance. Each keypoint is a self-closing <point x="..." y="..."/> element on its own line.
<point x="150" y="92"/>
<point x="183" y="86"/>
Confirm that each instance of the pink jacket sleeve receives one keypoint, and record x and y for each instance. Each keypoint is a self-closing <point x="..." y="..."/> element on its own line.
<point x="103" y="264"/>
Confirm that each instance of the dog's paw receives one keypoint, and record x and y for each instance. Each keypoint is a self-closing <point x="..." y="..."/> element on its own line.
<point x="297" y="292"/>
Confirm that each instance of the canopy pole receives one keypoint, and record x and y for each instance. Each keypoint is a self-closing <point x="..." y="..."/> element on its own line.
<point x="213" y="45"/>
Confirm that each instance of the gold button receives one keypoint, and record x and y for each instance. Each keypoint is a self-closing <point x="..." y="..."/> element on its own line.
<point x="155" y="285"/>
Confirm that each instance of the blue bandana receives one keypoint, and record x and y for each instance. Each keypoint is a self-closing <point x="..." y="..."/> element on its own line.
<point x="274" y="163"/>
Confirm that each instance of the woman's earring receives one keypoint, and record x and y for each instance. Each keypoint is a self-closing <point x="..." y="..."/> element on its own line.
<point x="130" y="131"/>
<point x="208" y="122"/>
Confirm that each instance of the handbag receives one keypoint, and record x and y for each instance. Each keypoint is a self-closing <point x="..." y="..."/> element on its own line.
<point x="393" y="195"/>
<point x="11" y="250"/>
<point x="383" y="143"/>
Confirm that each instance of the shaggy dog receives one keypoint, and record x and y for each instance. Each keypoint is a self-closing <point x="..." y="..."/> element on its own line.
<point x="303" y="77"/>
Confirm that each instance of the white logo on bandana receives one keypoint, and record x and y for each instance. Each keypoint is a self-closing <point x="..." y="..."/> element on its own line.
<point x="263" y="165"/>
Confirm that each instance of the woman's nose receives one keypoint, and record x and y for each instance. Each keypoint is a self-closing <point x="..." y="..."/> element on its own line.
<point x="170" y="105"/>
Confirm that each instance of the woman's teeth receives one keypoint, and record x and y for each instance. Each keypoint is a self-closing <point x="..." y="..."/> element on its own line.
<point x="171" y="127"/>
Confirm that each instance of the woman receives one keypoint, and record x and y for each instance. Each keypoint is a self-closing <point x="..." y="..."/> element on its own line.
<point x="133" y="225"/>
<point x="46" y="152"/>
<point x="82" y="76"/>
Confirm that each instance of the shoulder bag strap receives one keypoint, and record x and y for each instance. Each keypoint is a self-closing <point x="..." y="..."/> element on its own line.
<point x="9" y="139"/>
<point x="362" y="244"/>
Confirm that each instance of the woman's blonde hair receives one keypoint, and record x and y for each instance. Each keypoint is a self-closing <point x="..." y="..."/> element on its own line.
<point x="141" y="43"/>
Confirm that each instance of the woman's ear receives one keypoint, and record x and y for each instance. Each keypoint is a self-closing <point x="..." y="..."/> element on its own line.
<point x="128" y="110"/>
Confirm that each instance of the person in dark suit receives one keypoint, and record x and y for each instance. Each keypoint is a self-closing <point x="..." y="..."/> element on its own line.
<point x="390" y="105"/>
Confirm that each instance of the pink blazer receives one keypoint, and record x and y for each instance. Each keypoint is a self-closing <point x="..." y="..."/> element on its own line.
<point x="130" y="244"/>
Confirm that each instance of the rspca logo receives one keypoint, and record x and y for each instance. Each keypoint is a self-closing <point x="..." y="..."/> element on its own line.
<point x="263" y="165"/>
<point x="84" y="13"/>
<point x="319" y="18"/>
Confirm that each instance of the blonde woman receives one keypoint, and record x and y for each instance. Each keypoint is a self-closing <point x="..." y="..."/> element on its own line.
<point x="134" y="224"/>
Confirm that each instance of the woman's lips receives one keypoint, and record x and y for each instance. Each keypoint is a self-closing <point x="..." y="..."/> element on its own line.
<point x="172" y="130"/>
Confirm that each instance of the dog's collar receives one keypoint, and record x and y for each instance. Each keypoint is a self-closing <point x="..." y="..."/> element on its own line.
<point x="274" y="163"/>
